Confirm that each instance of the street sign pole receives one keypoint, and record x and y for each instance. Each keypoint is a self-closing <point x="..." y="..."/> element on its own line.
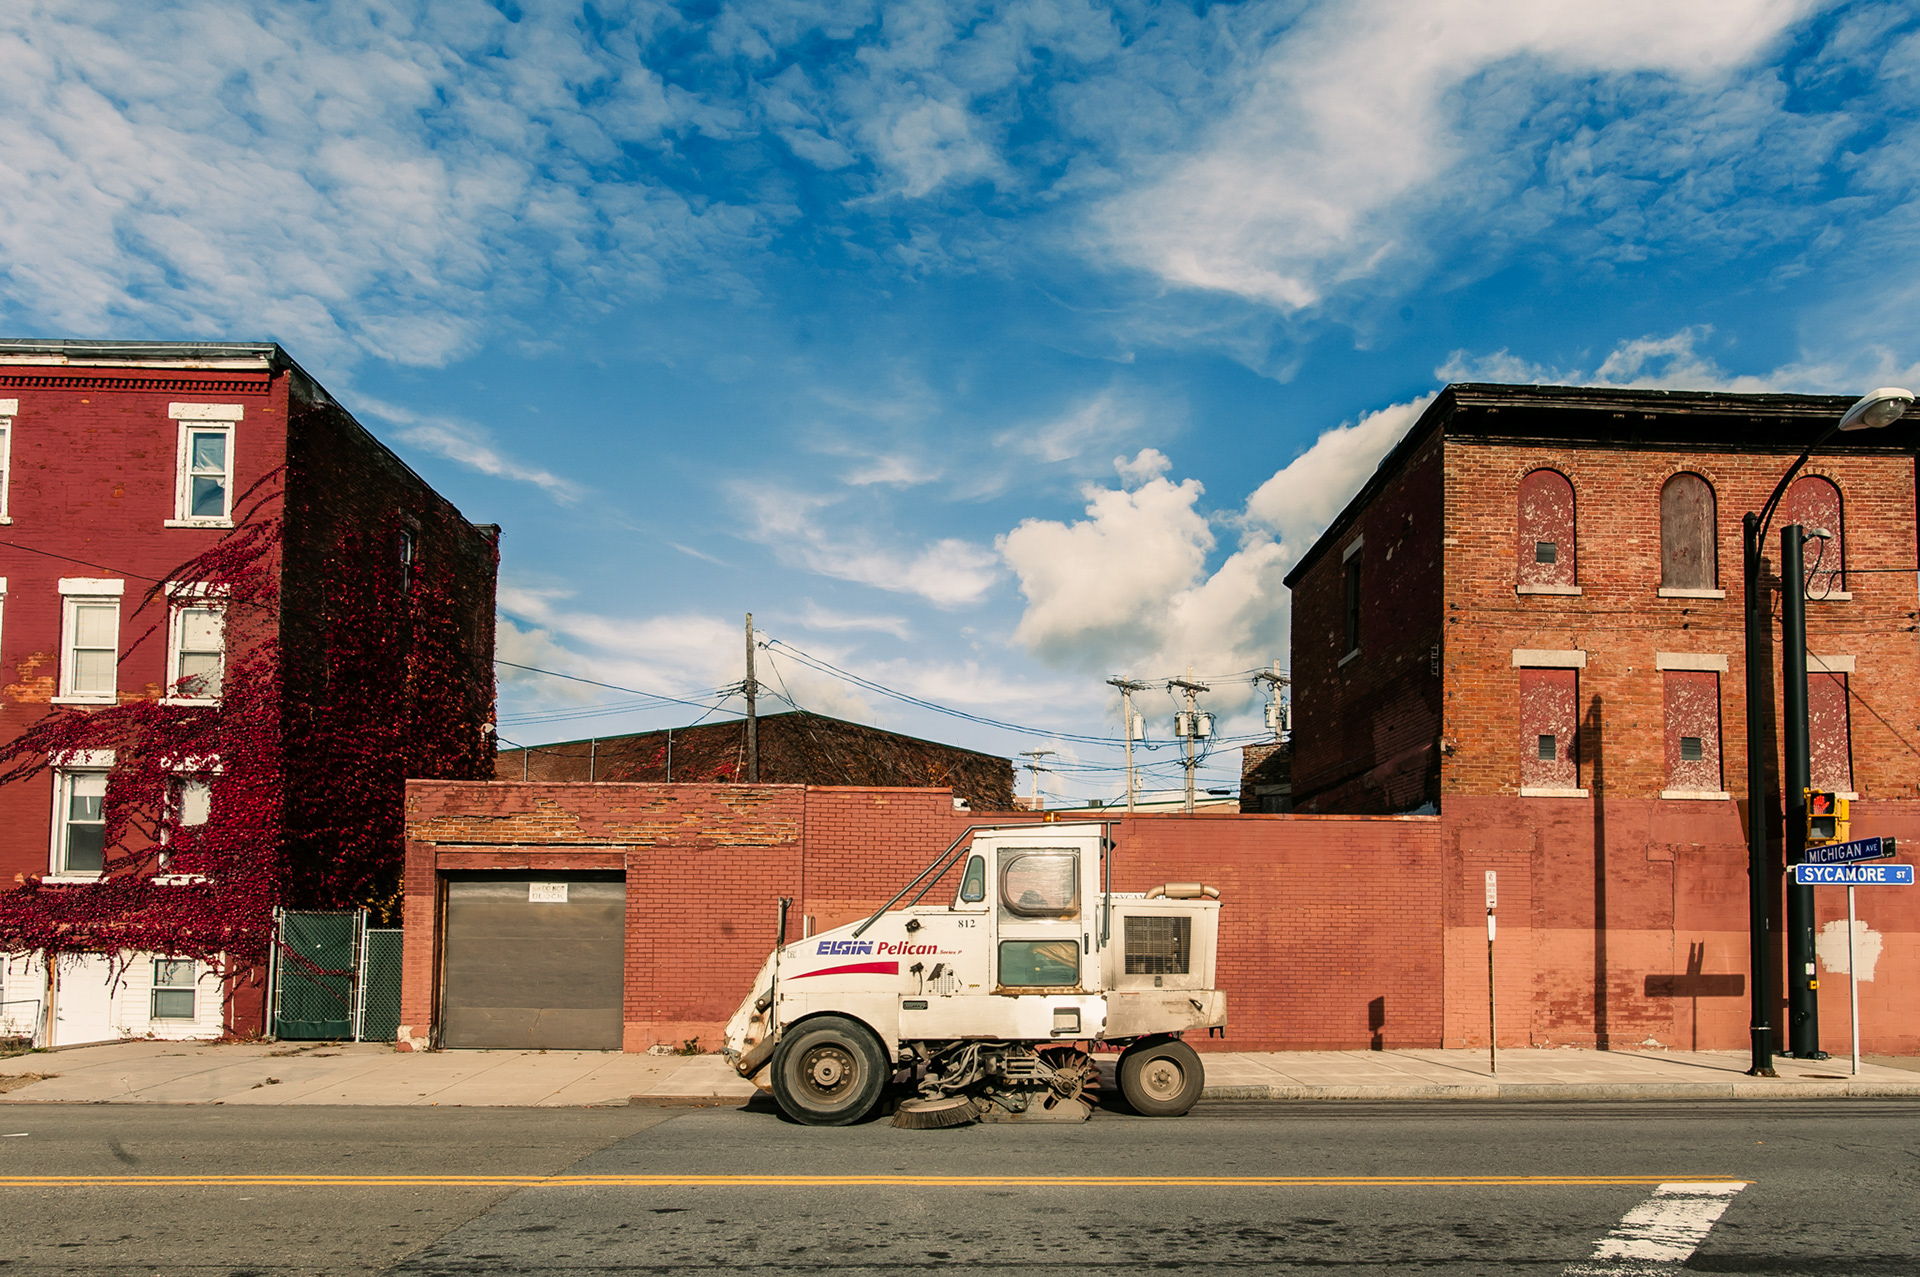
<point x="1853" y="986"/>
<point x="1493" y="1031"/>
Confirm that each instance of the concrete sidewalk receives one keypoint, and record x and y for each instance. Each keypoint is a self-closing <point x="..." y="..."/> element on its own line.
<point x="148" y="1072"/>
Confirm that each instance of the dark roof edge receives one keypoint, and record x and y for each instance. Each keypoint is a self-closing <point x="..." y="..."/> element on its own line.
<point x="1438" y="411"/>
<point x="182" y="353"/>
<point x="785" y="713"/>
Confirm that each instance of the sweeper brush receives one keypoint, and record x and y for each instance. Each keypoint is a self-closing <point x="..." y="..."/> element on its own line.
<point x="927" y="1115"/>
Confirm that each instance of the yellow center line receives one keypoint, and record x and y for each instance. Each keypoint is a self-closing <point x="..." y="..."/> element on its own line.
<point x="840" y="1181"/>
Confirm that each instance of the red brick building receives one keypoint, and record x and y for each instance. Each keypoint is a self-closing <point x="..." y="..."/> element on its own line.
<point x="1530" y="620"/>
<point x="231" y="623"/>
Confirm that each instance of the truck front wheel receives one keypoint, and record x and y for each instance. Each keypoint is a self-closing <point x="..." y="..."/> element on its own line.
<point x="829" y="1072"/>
<point x="1161" y="1079"/>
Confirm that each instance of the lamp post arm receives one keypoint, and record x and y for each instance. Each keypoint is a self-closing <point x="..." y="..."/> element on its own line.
<point x="1780" y="490"/>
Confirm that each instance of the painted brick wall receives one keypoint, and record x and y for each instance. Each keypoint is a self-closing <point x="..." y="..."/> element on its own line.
<point x="1330" y="935"/>
<point x="90" y="488"/>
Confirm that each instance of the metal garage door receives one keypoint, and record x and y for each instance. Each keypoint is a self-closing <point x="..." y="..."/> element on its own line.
<point x="535" y="960"/>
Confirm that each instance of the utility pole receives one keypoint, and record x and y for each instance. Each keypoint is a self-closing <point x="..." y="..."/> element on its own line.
<point x="753" y="726"/>
<point x="1190" y="725"/>
<point x="1127" y="688"/>
<point x="1034" y="768"/>
<point x="1803" y="1002"/>
<point x="1276" y="710"/>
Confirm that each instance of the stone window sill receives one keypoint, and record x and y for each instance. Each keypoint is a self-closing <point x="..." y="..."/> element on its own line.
<point x="1702" y="795"/>
<point x="1672" y="592"/>
<point x="84" y="700"/>
<point x="1350" y="656"/>
<point x="1536" y="791"/>
<point x="70" y="879"/>
<point x="1567" y="590"/>
<point x="178" y="880"/>
<point x="1831" y="596"/>
<point x="197" y="523"/>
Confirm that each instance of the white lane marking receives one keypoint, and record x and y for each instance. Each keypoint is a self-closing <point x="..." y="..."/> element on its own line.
<point x="1661" y="1233"/>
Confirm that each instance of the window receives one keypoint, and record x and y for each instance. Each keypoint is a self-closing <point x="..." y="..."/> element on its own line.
<point x="1829" y="727"/>
<point x="409" y="555"/>
<point x="1029" y="964"/>
<point x="196" y="651"/>
<point x="203" y="489"/>
<point x="1693" y="733"/>
<point x="189" y="807"/>
<point x="173" y="989"/>
<point x="1353" y="600"/>
<point x="1689" y="554"/>
<point x="1040" y="883"/>
<point x="1814" y="504"/>
<point x="973" y="886"/>
<point x="1549" y="725"/>
<point x="90" y="642"/>
<point x="79" y="820"/>
<point x="9" y="408"/>
<point x="1546" y="551"/>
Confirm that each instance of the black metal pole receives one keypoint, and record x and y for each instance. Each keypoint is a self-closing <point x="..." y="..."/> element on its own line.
<point x="1759" y="875"/>
<point x="1803" y="1007"/>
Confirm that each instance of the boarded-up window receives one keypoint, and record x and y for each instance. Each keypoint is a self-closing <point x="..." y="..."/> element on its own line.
<point x="1829" y="732"/>
<point x="1546" y="551"/>
<point x="1549" y="723"/>
<point x="1353" y="603"/>
<point x="1693" y="731"/>
<point x="1814" y="504"/>
<point x="1689" y="559"/>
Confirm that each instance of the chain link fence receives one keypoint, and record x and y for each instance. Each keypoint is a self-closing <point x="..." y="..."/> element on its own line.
<point x="333" y="978"/>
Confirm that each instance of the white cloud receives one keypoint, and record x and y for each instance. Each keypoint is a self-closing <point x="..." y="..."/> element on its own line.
<point x="1095" y="424"/>
<point x="1146" y="465"/>
<point x="472" y="447"/>
<point x="815" y="617"/>
<point x="1676" y="362"/>
<point x="1128" y="589"/>
<point x="947" y="572"/>
<point x="1340" y="135"/>
<point x="348" y="180"/>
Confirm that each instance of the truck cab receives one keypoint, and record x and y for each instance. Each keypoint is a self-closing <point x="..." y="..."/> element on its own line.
<point x="1005" y="960"/>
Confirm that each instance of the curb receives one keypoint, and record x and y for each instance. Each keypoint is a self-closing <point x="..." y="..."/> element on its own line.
<point x="1575" y="1091"/>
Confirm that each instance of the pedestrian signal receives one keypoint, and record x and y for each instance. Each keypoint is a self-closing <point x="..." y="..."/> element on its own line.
<point x="1826" y="817"/>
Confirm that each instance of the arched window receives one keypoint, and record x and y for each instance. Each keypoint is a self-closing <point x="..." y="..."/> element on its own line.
<point x="1814" y="504"/>
<point x="1689" y="556"/>
<point x="1545" y="548"/>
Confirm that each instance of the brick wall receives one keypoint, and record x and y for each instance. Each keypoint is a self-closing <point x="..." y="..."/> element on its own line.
<point x="1330" y="932"/>
<point x="1366" y="726"/>
<point x="1620" y="621"/>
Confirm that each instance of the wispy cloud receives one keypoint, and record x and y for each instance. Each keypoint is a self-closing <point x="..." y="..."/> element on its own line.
<point x="815" y="617"/>
<point x="947" y="571"/>
<point x="472" y="447"/>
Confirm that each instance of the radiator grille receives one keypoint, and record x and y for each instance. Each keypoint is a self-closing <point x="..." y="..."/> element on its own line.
<point x="1158" y="946"/>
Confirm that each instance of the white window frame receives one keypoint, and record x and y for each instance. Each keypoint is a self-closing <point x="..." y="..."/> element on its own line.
<point x="182" y="595"/>
<point x="192" y="987"/>
<point x="9" y="409"/>
<point x="3" y="609"/>
<point x="75" y="591"/>
<point x="67" y="766"/>
<point x="201" y="418"/>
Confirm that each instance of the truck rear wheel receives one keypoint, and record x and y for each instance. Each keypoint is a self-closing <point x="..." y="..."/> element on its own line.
<point x="1161" y="1079"/>
<point x="829" y="1072"/>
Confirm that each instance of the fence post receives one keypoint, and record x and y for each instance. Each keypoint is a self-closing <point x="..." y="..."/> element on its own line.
<point x="359" y="972"/>
<point x="273" y="978"/>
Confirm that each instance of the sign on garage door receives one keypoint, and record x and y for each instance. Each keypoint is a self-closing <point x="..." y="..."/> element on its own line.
<point x="534" y="960"/>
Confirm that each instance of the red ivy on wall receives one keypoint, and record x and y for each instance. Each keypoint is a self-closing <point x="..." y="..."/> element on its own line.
<point x="306" y="757"/>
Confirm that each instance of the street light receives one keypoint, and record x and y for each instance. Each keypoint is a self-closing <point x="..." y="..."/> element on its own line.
<point x="1881" y="408"/>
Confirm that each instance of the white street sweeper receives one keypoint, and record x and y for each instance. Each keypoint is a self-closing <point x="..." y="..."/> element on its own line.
<point x="1010" y="958"/>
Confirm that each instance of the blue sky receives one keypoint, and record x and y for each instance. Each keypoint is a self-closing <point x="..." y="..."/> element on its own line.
<point x="985" y="351"/>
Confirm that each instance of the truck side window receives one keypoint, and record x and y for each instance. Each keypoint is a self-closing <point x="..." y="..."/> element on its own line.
<point x="973" y="887"/>
<point x="1040" y="882"/>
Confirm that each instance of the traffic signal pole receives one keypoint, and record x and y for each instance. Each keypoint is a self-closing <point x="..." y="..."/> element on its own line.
<point x="1760" y="877"/>
<point x="1803" y="1001"/>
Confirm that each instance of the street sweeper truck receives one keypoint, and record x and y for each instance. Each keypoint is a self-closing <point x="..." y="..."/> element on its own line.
<point x="986" y="985"/>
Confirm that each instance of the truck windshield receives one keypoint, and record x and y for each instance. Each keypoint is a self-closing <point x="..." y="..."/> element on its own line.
<point x="1040" y="882"/>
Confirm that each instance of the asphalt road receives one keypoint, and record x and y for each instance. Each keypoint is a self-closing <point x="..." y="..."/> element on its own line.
<point x="1824" y="1187"/>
